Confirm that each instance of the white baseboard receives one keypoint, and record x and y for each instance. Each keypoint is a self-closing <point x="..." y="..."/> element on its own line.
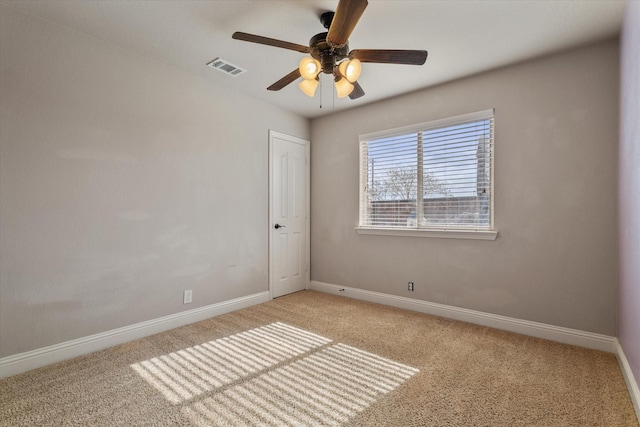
<point x="23" y="362"/>
<point x="525" y="327"/>
<point x="629" y="379"/>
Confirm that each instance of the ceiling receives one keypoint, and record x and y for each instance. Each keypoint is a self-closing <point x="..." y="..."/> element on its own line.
<point x="463" y="37"/>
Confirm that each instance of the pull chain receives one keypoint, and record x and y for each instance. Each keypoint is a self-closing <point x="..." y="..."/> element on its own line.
<point x="321" y="91"/>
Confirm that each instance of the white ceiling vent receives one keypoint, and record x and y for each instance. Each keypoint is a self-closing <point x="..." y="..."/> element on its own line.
<point x="226" y="67"/>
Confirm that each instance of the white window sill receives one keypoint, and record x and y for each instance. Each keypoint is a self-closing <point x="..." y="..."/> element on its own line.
<point x="441" y="234"/>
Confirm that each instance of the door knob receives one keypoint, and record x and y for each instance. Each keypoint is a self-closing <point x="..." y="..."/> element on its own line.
<point x="279" y="226"/>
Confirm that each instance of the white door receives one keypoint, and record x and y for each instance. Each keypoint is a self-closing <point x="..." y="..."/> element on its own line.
<point x="289" y="214"/>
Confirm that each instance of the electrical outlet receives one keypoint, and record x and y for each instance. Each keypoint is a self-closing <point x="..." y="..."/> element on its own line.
<point x="410" y="286"/>
<point x="187" y="298"/>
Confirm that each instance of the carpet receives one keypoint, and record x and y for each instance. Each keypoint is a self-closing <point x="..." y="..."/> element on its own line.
<point x="314" y="359"/>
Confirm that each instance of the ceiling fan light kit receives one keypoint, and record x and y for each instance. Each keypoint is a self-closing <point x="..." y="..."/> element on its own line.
<point x="348" y="72"/>
<point x="329" y="53"/>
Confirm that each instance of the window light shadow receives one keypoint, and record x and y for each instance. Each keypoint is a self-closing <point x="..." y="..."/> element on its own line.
<point x="273" y="375"/>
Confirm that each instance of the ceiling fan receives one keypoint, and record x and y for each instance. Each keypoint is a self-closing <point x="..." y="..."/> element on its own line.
<point x="330" y="53"/>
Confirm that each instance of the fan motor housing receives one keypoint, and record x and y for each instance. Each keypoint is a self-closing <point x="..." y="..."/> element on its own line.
<point x="327" y="55"/>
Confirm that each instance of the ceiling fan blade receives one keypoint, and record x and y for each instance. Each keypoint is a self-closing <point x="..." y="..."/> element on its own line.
<point x="347" y="15"/>
<point x="289" y="78"/>
<point x="357" y="91"/>
<point x="390" y="56"/>
<point x="270" y="42"/>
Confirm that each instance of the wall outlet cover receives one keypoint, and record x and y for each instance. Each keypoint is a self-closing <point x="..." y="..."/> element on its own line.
<point x="188" y="297"/>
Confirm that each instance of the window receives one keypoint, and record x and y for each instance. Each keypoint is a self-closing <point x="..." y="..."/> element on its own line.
<point x="433" y="177"/>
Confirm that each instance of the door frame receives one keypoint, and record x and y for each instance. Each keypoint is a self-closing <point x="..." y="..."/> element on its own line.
<point x="307" y="233"/>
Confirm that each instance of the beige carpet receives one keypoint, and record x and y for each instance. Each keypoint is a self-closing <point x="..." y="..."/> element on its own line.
<point x="317" y="359"/>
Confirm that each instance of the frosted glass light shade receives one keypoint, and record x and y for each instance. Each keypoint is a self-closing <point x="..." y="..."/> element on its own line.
<point x="343" y="87"/>
<point x="350" y="69"/>
<point x="309" y="68"/>
<point x="308" y="87"/>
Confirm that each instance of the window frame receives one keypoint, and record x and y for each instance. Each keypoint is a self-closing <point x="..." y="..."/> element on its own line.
<point x="446" y="230"/>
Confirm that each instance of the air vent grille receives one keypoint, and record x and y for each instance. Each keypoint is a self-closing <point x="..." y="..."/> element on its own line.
<point x="226" y="67"/>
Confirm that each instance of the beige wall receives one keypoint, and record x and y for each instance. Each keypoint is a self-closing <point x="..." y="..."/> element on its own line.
<point x="555" y="260"/>
<point x="122" y="182"/>
<point x="629" y="191"/>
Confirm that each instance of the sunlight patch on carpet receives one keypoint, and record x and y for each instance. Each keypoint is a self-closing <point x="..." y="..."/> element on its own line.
<point x="273" y="375"/>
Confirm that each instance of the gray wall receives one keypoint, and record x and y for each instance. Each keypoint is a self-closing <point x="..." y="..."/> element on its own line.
<point x="629" y="193"/>
<point x="122" y="182"/>
<point x="555" y="260"/>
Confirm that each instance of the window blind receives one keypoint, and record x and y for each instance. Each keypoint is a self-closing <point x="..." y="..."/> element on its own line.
<point x="432" y="175"/>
